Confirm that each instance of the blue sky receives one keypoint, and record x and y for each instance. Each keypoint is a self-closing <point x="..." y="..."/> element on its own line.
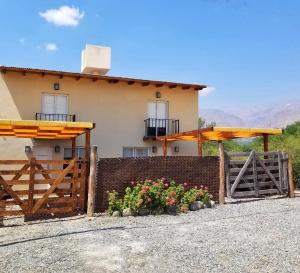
<point x="248" y="51"/>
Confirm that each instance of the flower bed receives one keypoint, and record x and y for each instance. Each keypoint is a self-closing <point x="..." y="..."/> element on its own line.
<point x="157" y="197"/>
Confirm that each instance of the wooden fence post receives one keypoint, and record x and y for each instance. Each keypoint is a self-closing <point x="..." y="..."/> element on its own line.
<point x="222" y="174"/>
<point x="92" y="182"/>
<point x="291" y="179"/>
<point x="31" y="185"/>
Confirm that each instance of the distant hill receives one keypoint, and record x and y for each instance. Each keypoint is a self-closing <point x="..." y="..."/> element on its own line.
<point x="276" y="116"/>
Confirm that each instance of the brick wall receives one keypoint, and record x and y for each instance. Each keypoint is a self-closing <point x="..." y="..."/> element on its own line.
<point x="117" y="173"/>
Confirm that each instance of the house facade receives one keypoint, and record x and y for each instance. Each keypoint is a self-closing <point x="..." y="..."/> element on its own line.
<point x="128" y="113"/>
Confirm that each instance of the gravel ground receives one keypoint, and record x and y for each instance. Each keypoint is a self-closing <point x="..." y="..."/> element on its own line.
<point x="256" y="236"/>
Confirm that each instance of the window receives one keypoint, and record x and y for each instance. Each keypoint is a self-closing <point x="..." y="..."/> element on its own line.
<point x="135" y="151"/>
<point x="158" y="110"/>
<point x="56" y="106"/>
<point x="79" y="153"/>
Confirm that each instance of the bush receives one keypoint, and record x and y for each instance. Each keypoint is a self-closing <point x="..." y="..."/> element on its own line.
<point x="114" y="202"/>
<point x="156" y="196"/>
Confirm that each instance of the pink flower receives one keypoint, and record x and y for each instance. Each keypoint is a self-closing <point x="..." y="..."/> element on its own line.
<point x="172" y="193"/>
<point x="166" y="185"/>
<point x="132" y="183"/>
<point x="149" y="200"/>
<point x="185" y="184"/>
<point x="155" y="184"/>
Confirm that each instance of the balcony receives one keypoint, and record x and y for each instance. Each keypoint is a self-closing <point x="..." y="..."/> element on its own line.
<point x="160" y="127"/>
<point x="55" y="117"/>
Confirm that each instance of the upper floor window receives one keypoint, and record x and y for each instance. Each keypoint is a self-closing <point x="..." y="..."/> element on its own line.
<point x="54" y="107"/>
<point x="158" y="110"/>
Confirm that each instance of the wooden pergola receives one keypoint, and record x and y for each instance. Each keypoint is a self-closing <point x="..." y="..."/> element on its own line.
<point x="220" y="134"/>
<point x="32" y="200"/>
<point x="38" y="129"/>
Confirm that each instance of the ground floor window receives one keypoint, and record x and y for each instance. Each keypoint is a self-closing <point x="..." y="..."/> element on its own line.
<point x="135" y="151"/>
<point x="79" y="152"/>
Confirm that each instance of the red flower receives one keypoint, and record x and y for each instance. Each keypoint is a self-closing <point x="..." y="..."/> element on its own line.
<point x="155" y="184"/>
<point x="172" y="202"/>
<point x="172" y="193"/>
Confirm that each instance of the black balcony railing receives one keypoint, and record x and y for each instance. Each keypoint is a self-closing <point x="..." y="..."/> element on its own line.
<point x="161" y="127"/>
<point x="55" y="117"/>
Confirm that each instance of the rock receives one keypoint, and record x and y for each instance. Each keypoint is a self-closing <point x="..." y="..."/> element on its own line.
<point x="195" y="206"/>
<point x="143" y="212"/>
<point x="116" y="214"/>
<point x="127" y="212"/>
<point x="212" y="204"/>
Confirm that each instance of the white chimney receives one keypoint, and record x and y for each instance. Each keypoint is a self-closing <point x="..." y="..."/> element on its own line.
<point x="95" y="60"/>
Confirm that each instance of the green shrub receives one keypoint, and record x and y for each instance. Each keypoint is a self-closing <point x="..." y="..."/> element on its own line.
<point x="156" y="196"/>
<point x="114" y="202"/>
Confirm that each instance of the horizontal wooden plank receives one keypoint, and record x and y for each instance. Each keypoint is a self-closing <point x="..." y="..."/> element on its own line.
<point x="14" y="162"/>
<point x="251" y="185"/>
<point x="58" y="191"/>
<point x="54" y="162"/>
<point x="242" y="162"/>
<point x="250" y="176"/>
<point x="8" y="202"/>
<point x="11" y="212"/>
<point x="259" y="169"/>
<point x="252" y="193"/>
<point x="55" y="210"/>
<point x="244" y="154"/>
<point x="36" y="182"/>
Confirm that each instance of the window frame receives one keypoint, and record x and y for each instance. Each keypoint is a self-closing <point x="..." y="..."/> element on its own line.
<point x="134" y="148"/>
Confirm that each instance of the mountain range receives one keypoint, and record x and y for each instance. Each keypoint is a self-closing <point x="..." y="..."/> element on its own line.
<point x="276" y="116"/>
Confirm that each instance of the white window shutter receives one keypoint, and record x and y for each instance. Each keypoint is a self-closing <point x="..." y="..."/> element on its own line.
<point x="48" y="104"/>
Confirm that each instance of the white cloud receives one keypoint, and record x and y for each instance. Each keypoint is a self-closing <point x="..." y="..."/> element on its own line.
<point x="207" y="91"/>
<point x="63" y="16"/>
<point x="50" y="47"/>
<point x="22" y="41"/>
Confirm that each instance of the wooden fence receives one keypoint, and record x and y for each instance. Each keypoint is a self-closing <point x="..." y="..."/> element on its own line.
<point x="35" y="187"/>
<point x="256" y="174"/>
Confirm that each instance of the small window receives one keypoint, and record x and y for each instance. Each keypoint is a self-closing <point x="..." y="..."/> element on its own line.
<point x="128" y="152"/>
<point x="79" y="153"/>
<point x="135" y="151"/>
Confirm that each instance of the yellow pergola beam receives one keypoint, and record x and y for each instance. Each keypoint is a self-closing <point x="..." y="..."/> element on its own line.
<point x="43" y="129"/>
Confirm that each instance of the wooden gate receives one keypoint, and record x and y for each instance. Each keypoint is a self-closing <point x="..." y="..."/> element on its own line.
<point x="256" y="174"/>
<point x="41" y="187"/>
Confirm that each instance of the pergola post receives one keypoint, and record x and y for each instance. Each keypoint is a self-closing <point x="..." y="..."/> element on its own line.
<point x="222" y="173"/>
<point x="165" y="147"/>
<point x="87" y="163"/>
<point x="291" y="179"/>
<point x="266" y="142"/>
<point x="200" y="145"/>
<point x="92" y="182"/>
<point x="73" y="147"/>
<point x="87" y="144"/>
